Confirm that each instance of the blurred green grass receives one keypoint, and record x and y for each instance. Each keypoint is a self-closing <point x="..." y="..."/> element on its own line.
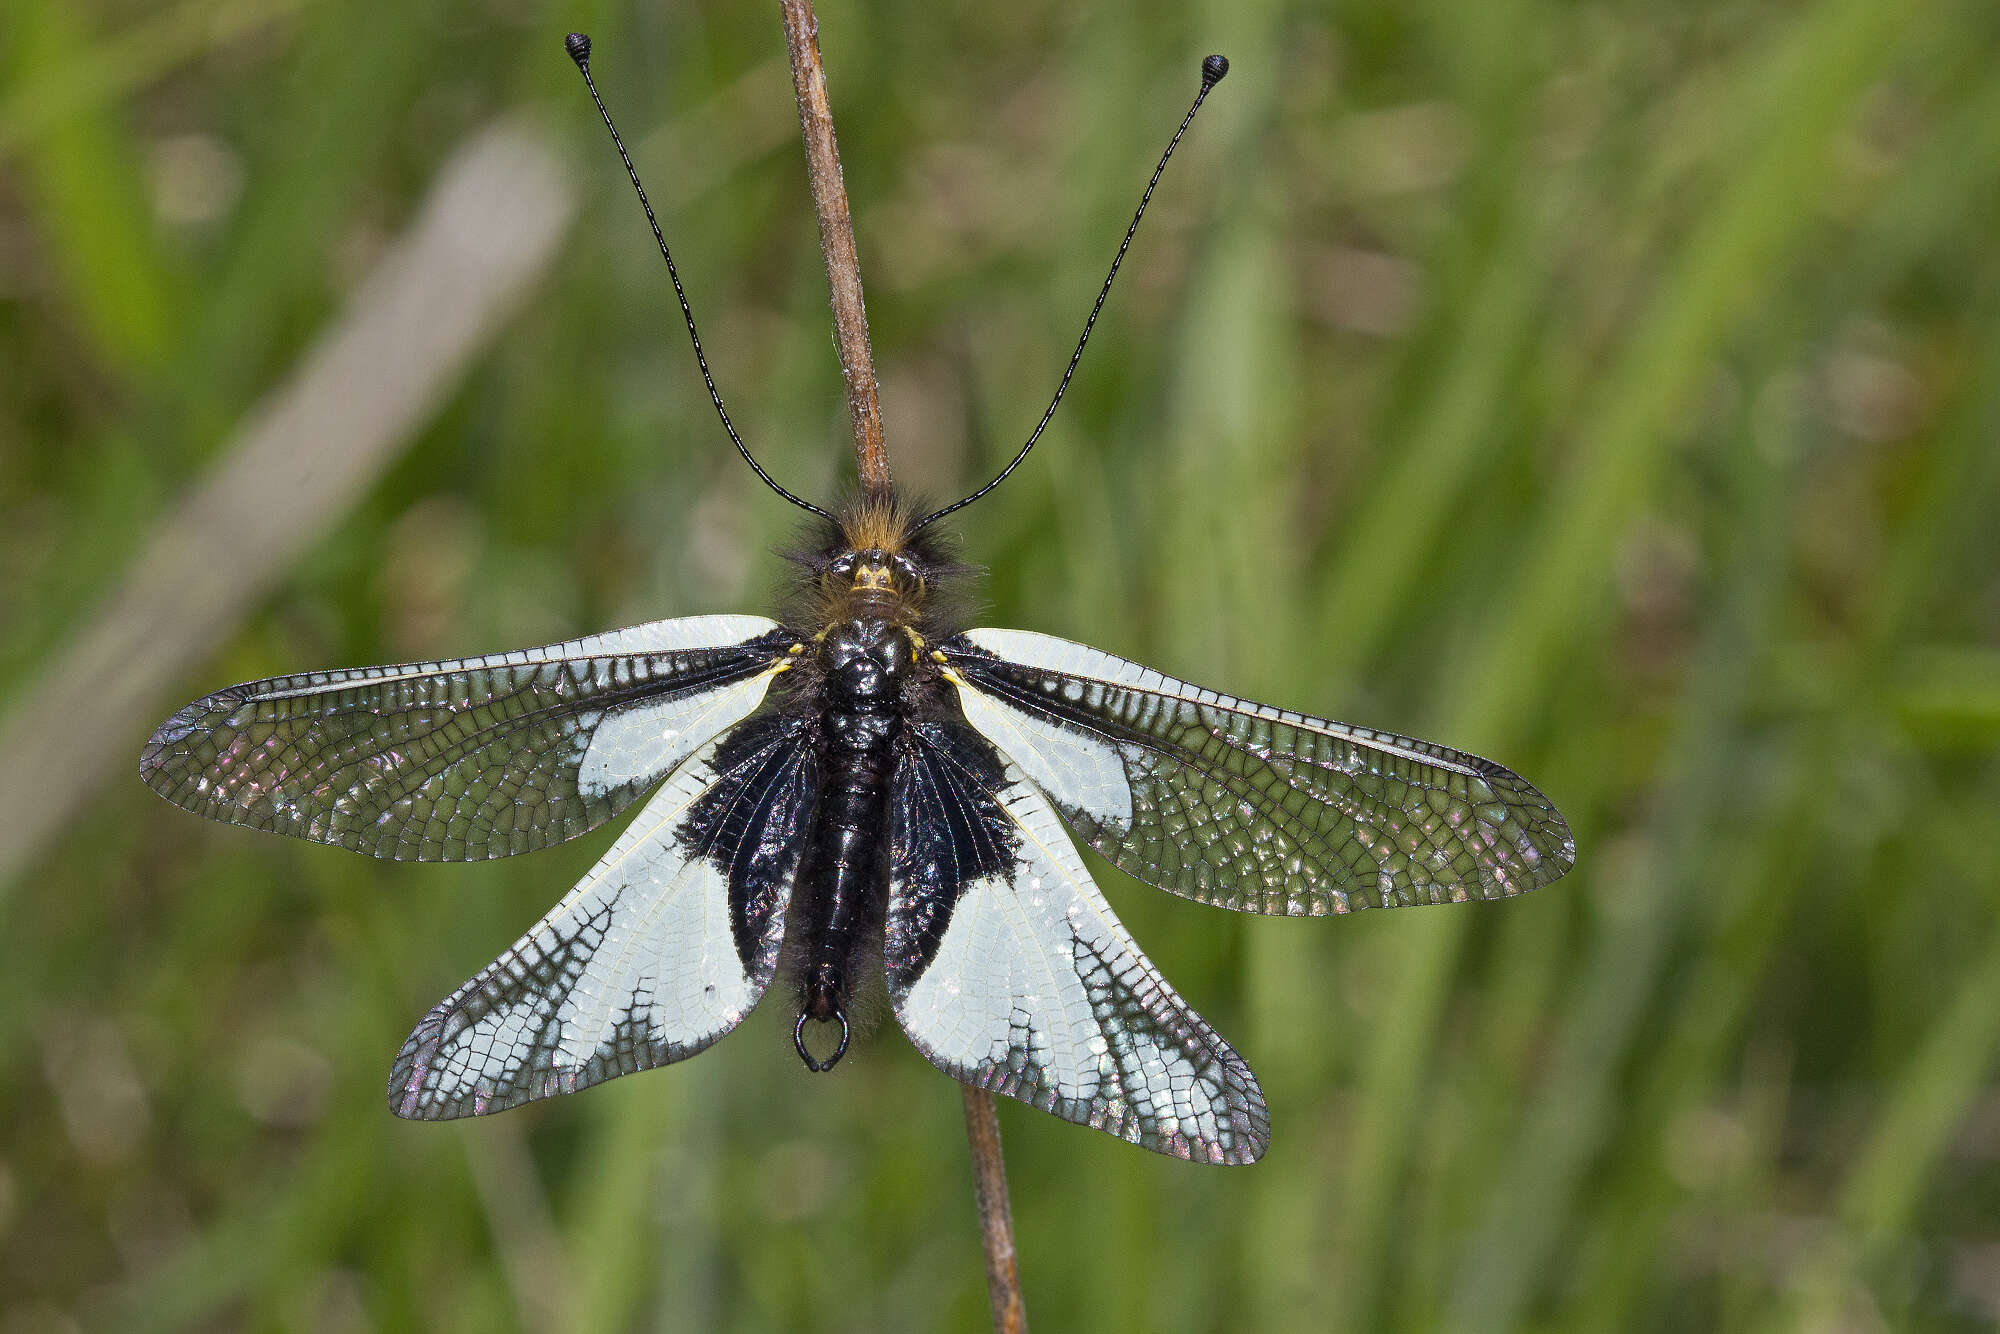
<point x="1610" y="389"/>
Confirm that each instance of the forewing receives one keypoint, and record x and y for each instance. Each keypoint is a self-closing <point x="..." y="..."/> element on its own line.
<point x="1009" y="971"/>
<point x="1248" y="807"/>
<point x="664" y="947"/>
<point x="467" y="759"/>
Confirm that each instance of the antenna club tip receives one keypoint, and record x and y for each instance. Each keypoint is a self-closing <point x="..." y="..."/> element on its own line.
<point x="578" y="46"/>
<point x="1212" y="69"/>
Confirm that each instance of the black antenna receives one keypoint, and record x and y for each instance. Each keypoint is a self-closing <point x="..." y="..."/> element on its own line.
<point x="1212" y="70"/>
<point x="578" y="47"/>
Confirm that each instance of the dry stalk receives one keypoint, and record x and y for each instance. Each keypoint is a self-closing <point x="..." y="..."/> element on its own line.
<point x="857" y="366"/>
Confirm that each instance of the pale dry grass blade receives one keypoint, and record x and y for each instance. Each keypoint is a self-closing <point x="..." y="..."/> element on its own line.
<point x="486" y="232"/>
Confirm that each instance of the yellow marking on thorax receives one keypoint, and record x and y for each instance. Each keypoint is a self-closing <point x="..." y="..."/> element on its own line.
<point x="789" y="661"/>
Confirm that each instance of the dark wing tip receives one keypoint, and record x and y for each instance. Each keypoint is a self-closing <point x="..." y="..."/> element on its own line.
<point x="1565" y="858"/>
<point x="411" y="1069"/>
<point x="152" y="754"/>
<point x="1252" y="1131"/>
<point x="1249" y="1150"/>
<point x="1545" y="832"/>
<point x="1249" y="1128"/>
<point x="165" y="744"/>
<point x="1550" y="834"/>
<point x="193" y="717"/>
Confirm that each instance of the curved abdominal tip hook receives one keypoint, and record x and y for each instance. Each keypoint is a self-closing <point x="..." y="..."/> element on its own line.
<point x="799" y="1041"/>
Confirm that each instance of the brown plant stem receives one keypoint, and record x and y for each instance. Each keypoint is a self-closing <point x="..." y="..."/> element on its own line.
<point x="996" y="1219"/>
<point x="857" y="366"/>
<point x="836" y="244"/>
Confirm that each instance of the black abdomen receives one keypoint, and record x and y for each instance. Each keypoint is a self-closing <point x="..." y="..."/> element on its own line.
<point x="843" y="886"/>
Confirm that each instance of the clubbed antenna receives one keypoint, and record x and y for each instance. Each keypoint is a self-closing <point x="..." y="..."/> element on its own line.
<point x="1212" y="70"/>
<point x="578" y="46"/>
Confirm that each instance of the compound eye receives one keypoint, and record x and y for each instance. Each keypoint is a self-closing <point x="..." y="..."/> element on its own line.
<point x="844" y="565"/>
<point x="907" y="569"/>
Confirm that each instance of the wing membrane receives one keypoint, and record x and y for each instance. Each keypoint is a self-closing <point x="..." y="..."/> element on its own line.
<point x="1009" y="971"/>
<point x="1249" y="807"/>
<point x="467" y="759"/>
<point x="664" y="947"/>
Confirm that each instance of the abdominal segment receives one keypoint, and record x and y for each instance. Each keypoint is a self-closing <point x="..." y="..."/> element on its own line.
<point x="843" y="887"/>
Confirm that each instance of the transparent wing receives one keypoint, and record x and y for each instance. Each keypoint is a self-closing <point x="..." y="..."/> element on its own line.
<point x="1009" y="971"/>
<point x="1248" y="807"/>
<point x="468" y="759"/>
<point x="664" y="947"/>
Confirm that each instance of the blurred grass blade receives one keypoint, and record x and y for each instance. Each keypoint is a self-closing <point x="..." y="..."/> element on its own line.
<point x="539" y="1273"/>
<point x="1571" y="1122"/>
<point x="1576" y="1102"/>
<point x="91" y="202"/>
<point x="1727" y="264"/>
<point x="1756" y="895"/>
<point x="1929" y="1101"/>
<point x="77" y="77"/>
<point x="487" y="231"/>
<point x="1949" y="696"/>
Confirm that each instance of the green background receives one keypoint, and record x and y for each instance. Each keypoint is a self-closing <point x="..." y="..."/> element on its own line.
<point x="1613" y="389"/>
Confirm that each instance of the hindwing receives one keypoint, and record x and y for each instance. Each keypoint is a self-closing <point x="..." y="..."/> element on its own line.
<point x="667" y="943"/>
<point x="1009" y="971"/>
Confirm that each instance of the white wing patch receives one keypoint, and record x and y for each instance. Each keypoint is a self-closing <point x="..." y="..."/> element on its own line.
<point x="1036" y="991"/>
<point x="636" y="967"/>
<point x="640" y="740"/>
<point x="633" y="743"/>
<point x="681" y="632"/>
<point x="1081" y="770"/>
